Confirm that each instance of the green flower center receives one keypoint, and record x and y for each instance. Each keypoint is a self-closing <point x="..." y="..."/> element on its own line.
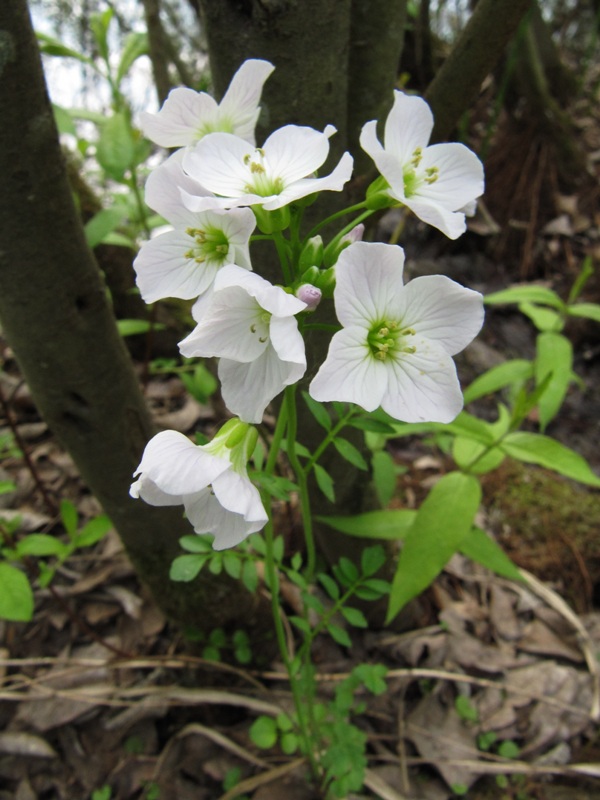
<point x="387" y="339"/>
<point x="260" y="325"/>
<point x="260" y="182"/>
<point x="210" y="244"/>
<point x="415" y="178"/>
<point x="220" y="125"/>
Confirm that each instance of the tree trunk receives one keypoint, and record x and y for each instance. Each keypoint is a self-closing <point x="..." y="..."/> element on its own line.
<point x="474" y="55"/>
<point x="55" y="314"/>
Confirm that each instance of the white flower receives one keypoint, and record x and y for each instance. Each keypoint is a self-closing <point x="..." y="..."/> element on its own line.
<point x="210" y="481"/>
<point x="272" y="176"/>
<point x="395" y="348"/>
<point x="184" y="262"/>
<point x="186" y="116"/>
<point x="250" y="325"/>
<point x="435" y="182"/>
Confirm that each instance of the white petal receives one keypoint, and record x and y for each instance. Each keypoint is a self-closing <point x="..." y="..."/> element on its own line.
<point x="368" y="278"/>
<point x="217" y="163"/>
<point x="443" y="310"/>
<point x="237" y="493"/>
<point x="231" y="328"/>
<point x="238" y="225"/>
<point x="163" y="191"/>
<point x="249" y="388"/>
<point x="180" y="119"/>
<point x="240" y="102"/>
<point x="451" y="223"/>
<point x="178" y="467"/>
<point x="350" y="373"/>
<point x="162" y="270"/>
<point x="423" y="386"/>
<point x="295" y="152"/>
<point x="389" y="166"/>
<point x="151" y="494"/>
<point x="460" y="176"/>
<point x="408" y="126"/>
<point x="329" y="183"/>
<point x="207" y="515"/>
<point x="287" y="340"/>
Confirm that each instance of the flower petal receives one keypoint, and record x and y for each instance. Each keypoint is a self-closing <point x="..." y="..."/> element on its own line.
<point x="237" y="493"/>
<point x="459" y="179"/>
<point x="163" y="191"/>
<point x="422" y="386"/>
<point x="350" y="373"/>
<point x="248" y="388"/>
<point x="328" y="183"/>
<point x="150" y="493"/>
<point x="368" y="277"/>
<point x="442" y="310"/>
<point x="162" y="269"/>
<point x="178" y="467"/>
<point x="180" y="119"/>
<point x="295" y="152"/>
<point x="217" y="163"/>
<point x="451" y="223"/>
<point x="240" y="104"/>
<point x="207" y="515"/>
<point x="408" y="126"/>
<point x="287" y="340"/>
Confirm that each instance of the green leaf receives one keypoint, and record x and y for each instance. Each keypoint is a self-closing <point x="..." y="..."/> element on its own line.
<point x="330" y="585"/>
<point x="68" y="515"/>
<point x="277" y="486"/>
<point x="101" y="224"/>
<point x="99" y="24"/>
<point x="16" y="597"/>
<point x="195" y="543"/>
<point x="53" y="47"/>
<point x="201" y="384"/>
<point x="116" y="147"/>
<point x="301" y="624"/>
<point x="372" y="425"/>
<point x="470" y="455"/>
<point x="526" y="293"/>
<point x="385" y="476"/>
<point x="132" y="327"/>
<point x="465" y="709"/>
<point x="64" y="121"/>
<point x="348" y="570"/>
<point x="186" y="568"/>
<point x="250" y="576"/>
<point x="263" y="732"/>
<point x="372" y="559"/>
<point x="232" y="565"/>
<point x="586" y="310"/>
<point x="318" y="411"/>
<point x="324" y="482"/>
<point x="543" y="318"/>
<point x="40" y="544"/>
<point x="388" y="524"/>
<point x="93" y="531"/>
<point x="554" y="358"/>
<point x="354" y="617"/>
<point x="534" y="448"/>
<point x="289" y="743"/>
<point x="348" y="451"/>
<point x="480" y="547"/>
<point x="135" y="45"/>
<point x="339" y="635"/>
<point x="510" y="372"/>
<point x="6" y="487"/>
<point x="442" y="523"/>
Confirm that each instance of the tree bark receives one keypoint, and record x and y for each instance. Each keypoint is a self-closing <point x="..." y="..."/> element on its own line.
<point x="158" y="49"/>
<point x="55" y="314"/>
<point x="474" y="55"/>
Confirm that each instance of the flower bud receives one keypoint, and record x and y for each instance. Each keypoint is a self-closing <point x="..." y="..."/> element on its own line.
<point x="309" y="294"/>
<point x="312" y="254"/>
<point x="378" y="195"/>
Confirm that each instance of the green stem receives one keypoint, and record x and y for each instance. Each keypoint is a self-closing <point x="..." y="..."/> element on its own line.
<point x="276" y="440"/>
<point x="302" y="480"/>
<point x="347" y="228"/>
<point x="333" y="217"/>
<point x="327" y="441"/>
<point x="283" y="253"/>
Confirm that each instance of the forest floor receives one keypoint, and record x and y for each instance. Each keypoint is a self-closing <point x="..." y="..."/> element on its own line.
<point x="102" y="698"/>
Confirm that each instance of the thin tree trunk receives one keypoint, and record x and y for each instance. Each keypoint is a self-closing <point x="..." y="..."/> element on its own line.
<point x="55" y="314"/>
<point x="474" y="55"/>
<point x="158" y="49"/>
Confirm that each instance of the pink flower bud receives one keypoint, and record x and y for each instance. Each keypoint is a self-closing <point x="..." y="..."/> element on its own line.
<point x="310" y="295"/>
<point x="355" y="235"/>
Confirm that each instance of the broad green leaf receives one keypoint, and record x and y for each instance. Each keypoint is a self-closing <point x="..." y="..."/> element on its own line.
<point x="587" y="310"/>
<point x="115" y="148"/>
<point x="318" y="411"/>
<point x="534" y="448"/>
<point x="393" y="524"/>
<point x="385" y="476"/>
<point x="93" y="531"/>
<point x="480" y="547"/>
<point x="474" y="457"/>
<point x="53" y="47"/>
<point x="324" y="482"/>
<point x="441" y="525"/>
<point x="101" y="224"/>
<point x="135" y="45"/>
<point x="516" y="370"/>
<point x="40" y="544"/>
<point x="69" y="517"/>
<point x="233" y="565"/>
<point x="349" y="452"/>
<point x="372" y="559"/>
<point x="16" y="597"/>
<point x="544" y="319"/>
<point x="186" y="568"/>
<point x="263" y="732"/>
<point x="554" y="358"/>
<point x="526" y="293"/>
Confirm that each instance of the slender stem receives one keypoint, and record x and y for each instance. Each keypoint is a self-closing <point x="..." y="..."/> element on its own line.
<point x="283" y="253"/>
<point x="301" y="478"/>
<point x="327" y="441"/>
<point x="347" y="228"/>
<point x="337" y="215"/>
<point x="276" y="440"/>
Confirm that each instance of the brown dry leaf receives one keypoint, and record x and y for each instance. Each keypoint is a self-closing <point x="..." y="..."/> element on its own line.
<point x="131" y="603"/>
<point x="502" y="612"/>
<point x="538" y="638"/>
<point x="19" y="743"/>
<point x="184" y="418"/>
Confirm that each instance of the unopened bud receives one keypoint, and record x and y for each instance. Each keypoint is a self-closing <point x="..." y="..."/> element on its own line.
<point x="312" y="254"/>
<point x="310" y="295"/>
<point x="355" y="235"/>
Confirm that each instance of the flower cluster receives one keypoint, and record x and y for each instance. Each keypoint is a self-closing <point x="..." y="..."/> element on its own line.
<point x="395" y="346"/>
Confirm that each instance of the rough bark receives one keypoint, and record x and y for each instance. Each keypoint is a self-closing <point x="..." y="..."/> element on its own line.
<point x="158" y="49"/>
<point x="474" y="55"/>
<point x="55" y="314"/>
